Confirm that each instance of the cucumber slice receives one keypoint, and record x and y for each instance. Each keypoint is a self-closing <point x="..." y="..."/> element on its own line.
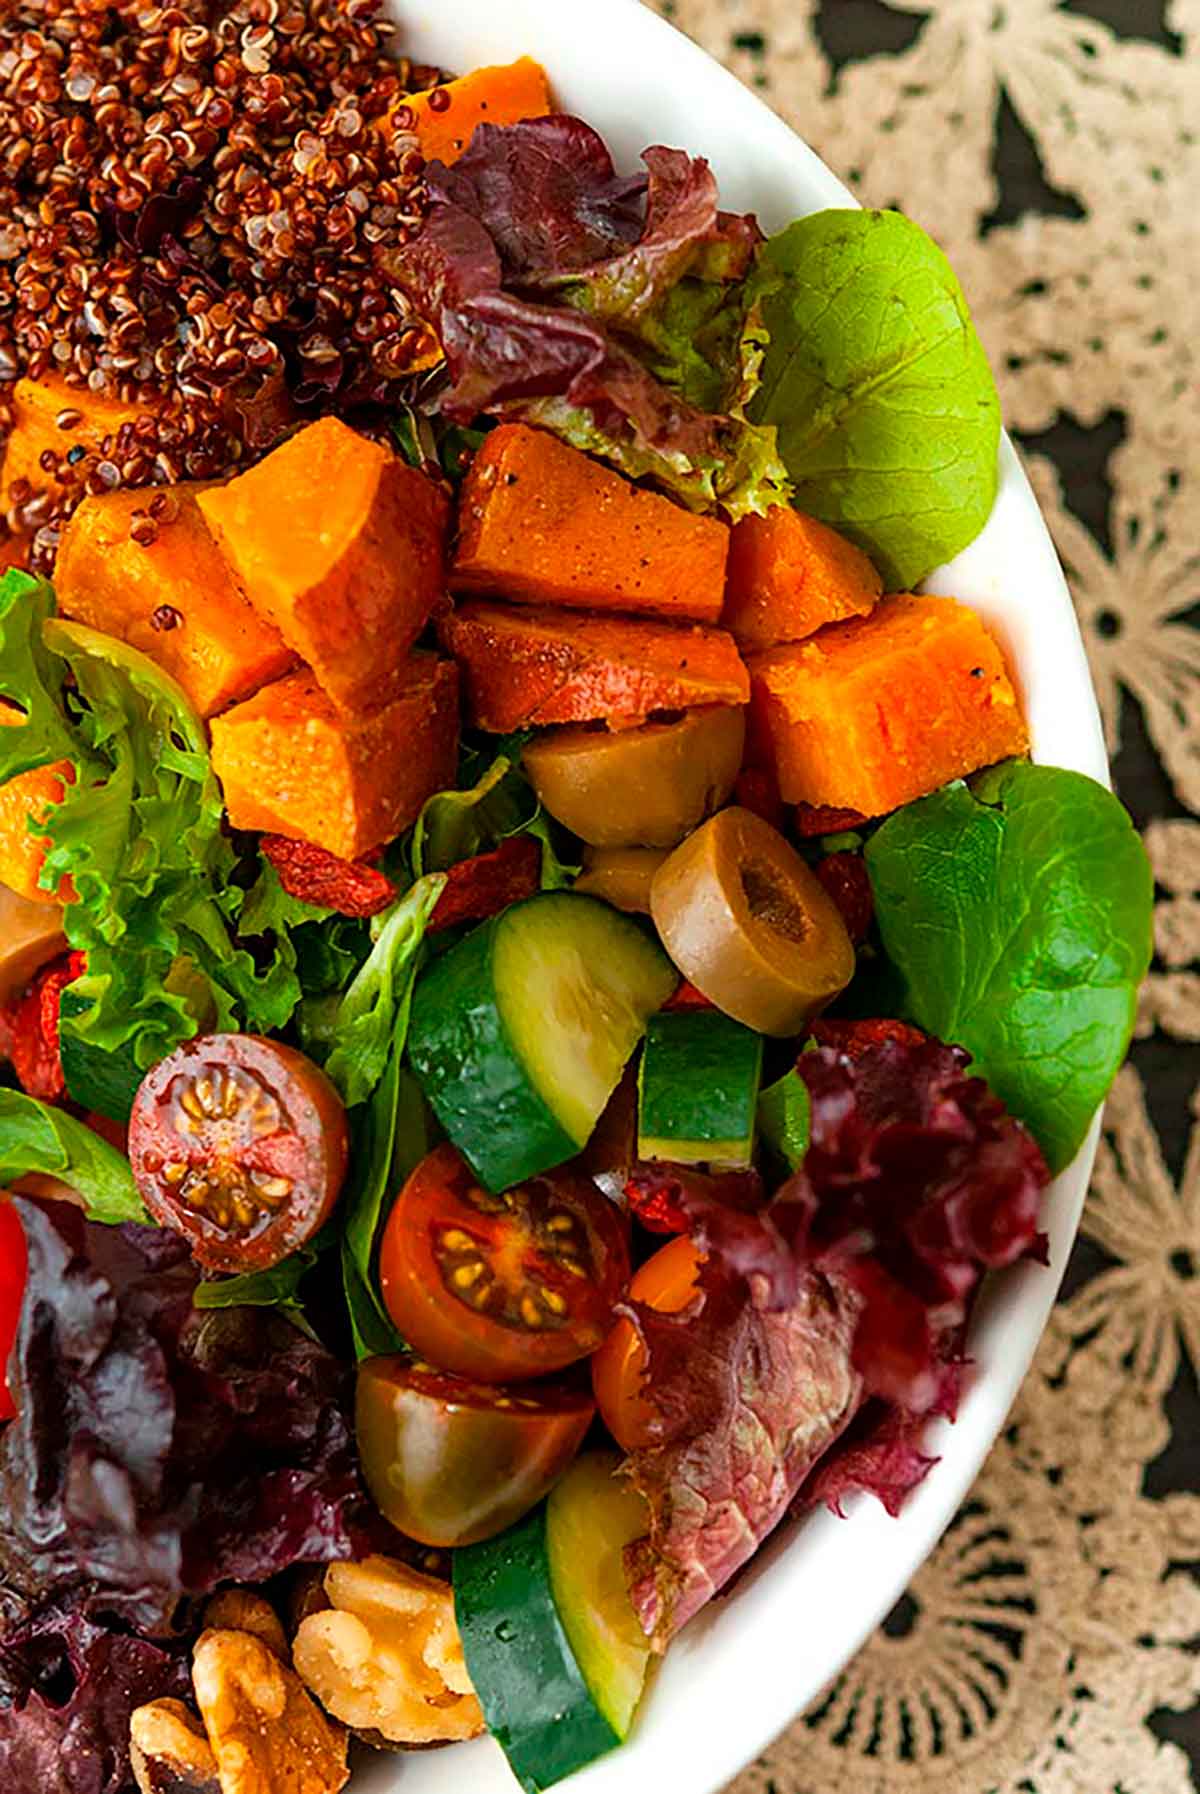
<point x="536" y="1702"/>
<point x="592" y="1514"/>
<point x="520" y="1033"/>
<point x="785" y="1118"/>
<point x="98" y="1080"/>
<point x="698" y="1089"/>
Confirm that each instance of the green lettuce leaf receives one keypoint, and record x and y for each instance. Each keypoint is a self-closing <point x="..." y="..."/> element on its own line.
<point x="32" y="679"/>
<point x="37" y="1138"/>
<point x="887" y="413"/>
<point x="1019" y="918"/>
<point x="391" y="1136"/>
<point x="372" y="1018"/>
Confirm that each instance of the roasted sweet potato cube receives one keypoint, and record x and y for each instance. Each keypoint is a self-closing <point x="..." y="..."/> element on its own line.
<point x="49" y="414"/>
<point x="537" y="665"/>
<point x="291" y="764"/>
<point x="789" y="575"/>
<point x="340" y="546"/>
<point x="870" y="714"/>
<point x="25" y="799"/>
<point x="541" y="523"/>
<point x="175" y="597"/>
<point x="503" y="95"/>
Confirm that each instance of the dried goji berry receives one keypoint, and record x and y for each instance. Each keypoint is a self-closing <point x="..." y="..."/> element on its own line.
<point x="854" y="1038"/>
<point x="824" y="819"/>
<point x="31" y="1029"/>
<point x="313" y="875"/>
<point x="846" y="879"/>
<point x="688" y="997"/>
<point x="481" y="887"/>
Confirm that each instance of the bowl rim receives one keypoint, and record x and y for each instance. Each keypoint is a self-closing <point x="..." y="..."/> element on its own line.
<point x="716" y="1704"/>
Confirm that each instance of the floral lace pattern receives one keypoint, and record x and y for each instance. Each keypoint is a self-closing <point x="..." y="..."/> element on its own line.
<point x="1053" y="147"/>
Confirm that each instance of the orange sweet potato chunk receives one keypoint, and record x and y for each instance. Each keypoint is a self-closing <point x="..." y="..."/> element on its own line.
<point x="22" y="854"/>
<point x="175" y="598"/>
<point x="291" y="764"/>
<point x="537" y="665"/>
<point x="342" y="548"/>
<point x="541" y="522"/>
<point x="870" y="714"/>
<point x="444" y="118"/>
<point x="789" y="575"/>
<point x="49" y="414"/>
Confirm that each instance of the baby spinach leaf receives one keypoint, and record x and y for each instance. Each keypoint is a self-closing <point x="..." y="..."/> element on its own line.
<point x="1019" y="918"/>
<point x="37" y="1138"/>
<point x="886" y="409"/>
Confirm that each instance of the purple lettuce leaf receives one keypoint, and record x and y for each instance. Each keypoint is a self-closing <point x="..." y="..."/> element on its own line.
<point x="68" y="1731"/>
<point x="551" y="283"/>
<point x="157" y="1453"/>
<point x="747" y="1399"/>
<point x="829" y="1327"/>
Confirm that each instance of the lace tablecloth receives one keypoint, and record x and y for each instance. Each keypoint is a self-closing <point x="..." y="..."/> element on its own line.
<point x="1050" y="1646"/>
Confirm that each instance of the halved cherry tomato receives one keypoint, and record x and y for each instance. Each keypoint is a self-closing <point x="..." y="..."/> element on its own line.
<point x="13" y="1270"/>
<point x="451" y="1462"/>
<point x="667" y="1281"/>
<point x="501" y="1287"/>
<point x="239" y="1144"/>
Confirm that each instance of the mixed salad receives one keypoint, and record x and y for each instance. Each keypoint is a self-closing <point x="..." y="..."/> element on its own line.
<point x="537" y="973"/>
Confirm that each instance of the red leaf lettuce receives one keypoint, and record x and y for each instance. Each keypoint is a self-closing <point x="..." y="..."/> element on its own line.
<point x="157" y="1453"/>
<point x="830" y="1326"/>
<point x="611" y="310"/>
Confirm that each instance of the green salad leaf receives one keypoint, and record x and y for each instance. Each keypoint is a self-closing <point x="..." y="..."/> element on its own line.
<point x="34" y="1137"/>
<point x="1018" y="916"/>
<point x="371" y="1020"/>
<point x="139" y="833"/>
<point x="887" y="413"/>
<point x="32" y="679"/>
<point x="278" y="1287"/>
<point x="391" y="1137"/>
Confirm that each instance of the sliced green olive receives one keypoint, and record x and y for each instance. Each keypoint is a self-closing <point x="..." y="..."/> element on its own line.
<point x="644" y="787"/>
<point x="744" y="918"/>
<point x="621" y="875"/>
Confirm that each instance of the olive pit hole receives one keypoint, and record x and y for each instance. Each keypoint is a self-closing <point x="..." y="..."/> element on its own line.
<point x="772" y="903"/>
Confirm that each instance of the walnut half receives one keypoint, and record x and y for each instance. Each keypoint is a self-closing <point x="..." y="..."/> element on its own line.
<point x="169" y="1751"/>
<point x="267" y="1736"/>
<point x="242" y="1610"/>
<point x="386" y="1658"/>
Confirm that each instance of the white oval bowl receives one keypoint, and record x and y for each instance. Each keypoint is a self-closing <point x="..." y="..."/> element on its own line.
<point x="747" y="1665"/>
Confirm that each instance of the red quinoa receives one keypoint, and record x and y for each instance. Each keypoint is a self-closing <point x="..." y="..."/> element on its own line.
<point x="194" y="207"/>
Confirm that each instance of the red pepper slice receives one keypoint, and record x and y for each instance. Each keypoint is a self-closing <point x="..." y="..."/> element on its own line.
<point x="312" y="874"/>
<point x="481" y="887"/>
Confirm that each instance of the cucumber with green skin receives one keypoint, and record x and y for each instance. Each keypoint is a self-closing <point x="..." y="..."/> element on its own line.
<point x="534" y="1696"/>
<point x="698" y="1089"/>
<point x="592" y="1514"/>
<point x="520" y="1033"/>
<point x="98" y="1080"/>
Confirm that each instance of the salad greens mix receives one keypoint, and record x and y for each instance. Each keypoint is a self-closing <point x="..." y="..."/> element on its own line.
<point x="505" y="1107"/>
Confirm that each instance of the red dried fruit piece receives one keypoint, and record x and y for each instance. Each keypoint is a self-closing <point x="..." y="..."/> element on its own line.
<point x="757" y="790"/>
<point x="481" y="887"/>
<point x="846" y="879"/>
<point x="856" y="1038"/>
<point x="688" y="997"/>
<point x="29" y="1029"/>
<point x="312" y="874"/>
<point x="824" y="819"/>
